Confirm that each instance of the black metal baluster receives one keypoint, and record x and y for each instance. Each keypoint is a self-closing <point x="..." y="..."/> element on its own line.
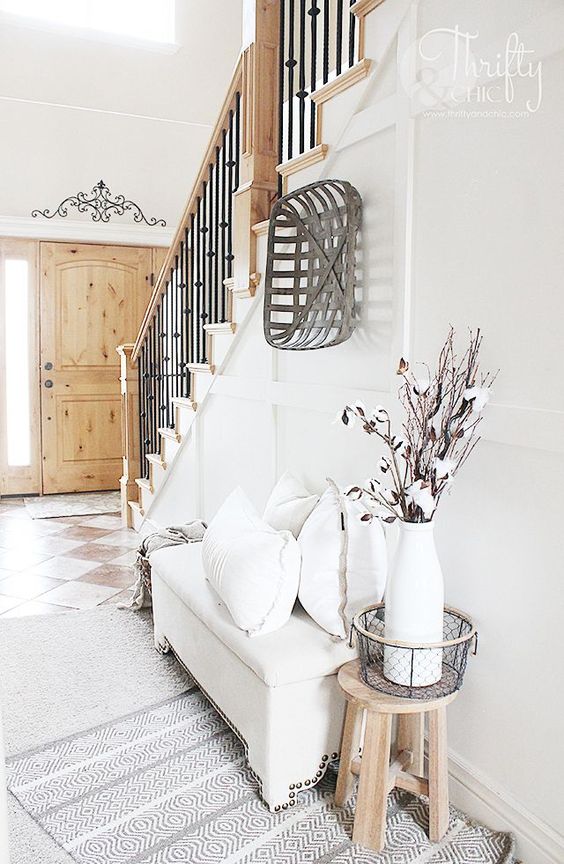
<point x="186" y="316"/>
<point x="197" y="284"/>
<point x="352" y="39"/>
<point x="159" y="358"/>
<point x="176" y="332"/>
<point x="211" y="250"/>
<point x="281" y="70"/>
<point x="339" y="48"/>
<point x="229" y="252"/>
<point x="326" y="25"/>
<point x="290" y="63"/>
<point x="166" y="349"/>
<point x="191" y="299"/>
<point x="153" y="395"/>
<point x="141" y="366"/>
<point x="302" y="93"/>
<point x="204" y="275"/>
<point x="216" y="273"/>
<point x="223" y="223"/>
<point x="237" y="149"/>
<point x="313" y="12"/>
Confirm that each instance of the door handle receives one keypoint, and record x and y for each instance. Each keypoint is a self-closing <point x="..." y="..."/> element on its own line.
<point x="48" y="383"/>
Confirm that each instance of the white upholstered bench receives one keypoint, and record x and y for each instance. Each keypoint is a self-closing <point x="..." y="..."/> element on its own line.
<point x="278" y="692"/>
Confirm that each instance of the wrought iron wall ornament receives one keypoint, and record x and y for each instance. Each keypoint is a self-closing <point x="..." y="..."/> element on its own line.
<point x="101" y="206"/>
<point x="310" y="273"/>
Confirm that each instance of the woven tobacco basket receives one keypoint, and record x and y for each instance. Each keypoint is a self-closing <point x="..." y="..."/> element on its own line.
<point x="310" y="275"/>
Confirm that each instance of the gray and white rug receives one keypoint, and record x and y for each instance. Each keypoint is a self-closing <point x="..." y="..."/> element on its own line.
<point x="72" y="504"/>
<point x="169" y="784"/>
<point x="162" y="784"/>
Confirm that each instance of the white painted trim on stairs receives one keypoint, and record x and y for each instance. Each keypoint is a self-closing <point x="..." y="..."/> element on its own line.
<point x="473" y="793"/>
<point x="75" y="231"/>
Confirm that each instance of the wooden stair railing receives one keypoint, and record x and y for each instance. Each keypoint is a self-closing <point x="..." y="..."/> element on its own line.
<point x="213" y="253"/>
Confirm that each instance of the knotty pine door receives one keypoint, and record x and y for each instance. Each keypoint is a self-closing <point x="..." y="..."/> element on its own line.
<point x="92" y="299"/>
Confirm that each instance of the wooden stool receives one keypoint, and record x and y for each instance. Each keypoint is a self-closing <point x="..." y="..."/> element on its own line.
<point x="377" y="776"/>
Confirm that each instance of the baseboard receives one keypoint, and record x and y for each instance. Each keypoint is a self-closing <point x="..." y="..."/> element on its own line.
<point x="537" y="842"/>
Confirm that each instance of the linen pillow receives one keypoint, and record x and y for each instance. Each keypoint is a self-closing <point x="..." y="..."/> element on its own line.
<point x="289" y="505"/>
<point x="254" y="569"/>
<point x="344" y="562"/>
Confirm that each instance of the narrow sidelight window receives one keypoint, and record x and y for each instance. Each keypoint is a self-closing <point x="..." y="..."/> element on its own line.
<point x="17" y="336"/>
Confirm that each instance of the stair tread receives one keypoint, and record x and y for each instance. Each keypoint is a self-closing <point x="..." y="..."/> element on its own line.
<point x="143" y="483"/>
<point x="221" y="327"/>
<point x="184" y="402"/>
<point x="201" y="367"/>
<point x="169" y="433"/>
<point x="155" y="459"/>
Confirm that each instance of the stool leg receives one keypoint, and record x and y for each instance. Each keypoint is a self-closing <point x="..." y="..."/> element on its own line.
<point x="410" y="736"/>
<point x="438" y="775"/>
<point x="349" y="749"/>
<point x="370" y="817"/>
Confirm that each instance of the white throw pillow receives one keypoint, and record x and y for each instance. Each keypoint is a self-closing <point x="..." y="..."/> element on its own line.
<point x="289" y="505"/>
<point x="254" y="569"/>
<point x="344" y="562"/>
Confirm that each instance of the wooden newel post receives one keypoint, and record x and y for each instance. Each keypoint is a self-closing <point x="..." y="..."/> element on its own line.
<point x="259" y="135"/>
<point x="129" y="431"/>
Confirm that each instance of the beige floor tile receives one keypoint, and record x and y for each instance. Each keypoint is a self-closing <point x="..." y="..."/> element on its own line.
<point x="27" y="586"/>
<point x="122" y="597"/>
<point x="35" y="607"/>
<point x="7" y="603"/>
<point x="21" y="559"/>
<point x="125" y="537"/>
<point x="110" y="521"/>
<point x="65" y="567"/>
<point x="79" y="595"/>
<point x="14" y="513"/>
<point x="81" y="532"/>
<point x="98" y="552"/>
<point x="109" y="574"/>
<point x="55" y="545"/>
<point x="126" y="560"/>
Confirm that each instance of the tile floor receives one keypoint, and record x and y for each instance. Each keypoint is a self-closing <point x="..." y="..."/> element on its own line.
<point x="72" y="562"/>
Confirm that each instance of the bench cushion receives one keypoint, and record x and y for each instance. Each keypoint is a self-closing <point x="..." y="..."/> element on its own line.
<point x="299" y="651"/>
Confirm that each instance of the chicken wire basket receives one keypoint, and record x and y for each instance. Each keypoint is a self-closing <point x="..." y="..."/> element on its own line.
<point x="309" y="295"/>
<point x="411" y="670"/>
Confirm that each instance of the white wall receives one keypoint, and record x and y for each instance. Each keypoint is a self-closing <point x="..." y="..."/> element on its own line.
<point x="77" y="110"/>
<point x="463" y="224"/>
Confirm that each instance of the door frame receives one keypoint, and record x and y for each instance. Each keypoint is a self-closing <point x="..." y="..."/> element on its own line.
<point x="22" y="480"/>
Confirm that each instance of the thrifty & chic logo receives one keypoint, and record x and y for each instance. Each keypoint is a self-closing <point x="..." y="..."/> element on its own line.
<point x="443" y="69"/>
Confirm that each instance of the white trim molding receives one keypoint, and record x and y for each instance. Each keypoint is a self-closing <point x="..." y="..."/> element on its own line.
<point x="84" y="231"/>
<point x="470" y="791"/>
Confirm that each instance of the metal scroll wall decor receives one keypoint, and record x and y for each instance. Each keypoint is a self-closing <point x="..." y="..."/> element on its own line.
<point x="310" y="274"/>
<point x="101" y="206"/>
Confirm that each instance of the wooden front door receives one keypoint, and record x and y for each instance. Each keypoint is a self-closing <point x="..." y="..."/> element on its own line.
<point x="92" y="300"/>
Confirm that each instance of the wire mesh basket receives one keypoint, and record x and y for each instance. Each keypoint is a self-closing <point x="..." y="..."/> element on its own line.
<point x="413" y="670"/>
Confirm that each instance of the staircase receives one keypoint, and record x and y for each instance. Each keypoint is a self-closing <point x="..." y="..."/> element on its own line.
<point x="299" y="78"/>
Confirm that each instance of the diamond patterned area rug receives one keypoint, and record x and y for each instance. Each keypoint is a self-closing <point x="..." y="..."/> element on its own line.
<point x="169" y="784"/>
<point x="73" y="504"/>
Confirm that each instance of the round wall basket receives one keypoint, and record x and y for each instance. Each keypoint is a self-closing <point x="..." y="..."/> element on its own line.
<point x="412" y="670"/>
<point x="309" y="294"/>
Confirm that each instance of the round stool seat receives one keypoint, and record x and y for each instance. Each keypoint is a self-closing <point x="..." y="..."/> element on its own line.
<point x="355" y="689"/>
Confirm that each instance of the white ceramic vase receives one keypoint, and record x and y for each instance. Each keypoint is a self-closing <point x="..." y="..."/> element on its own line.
<point x="414" y="607"/>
